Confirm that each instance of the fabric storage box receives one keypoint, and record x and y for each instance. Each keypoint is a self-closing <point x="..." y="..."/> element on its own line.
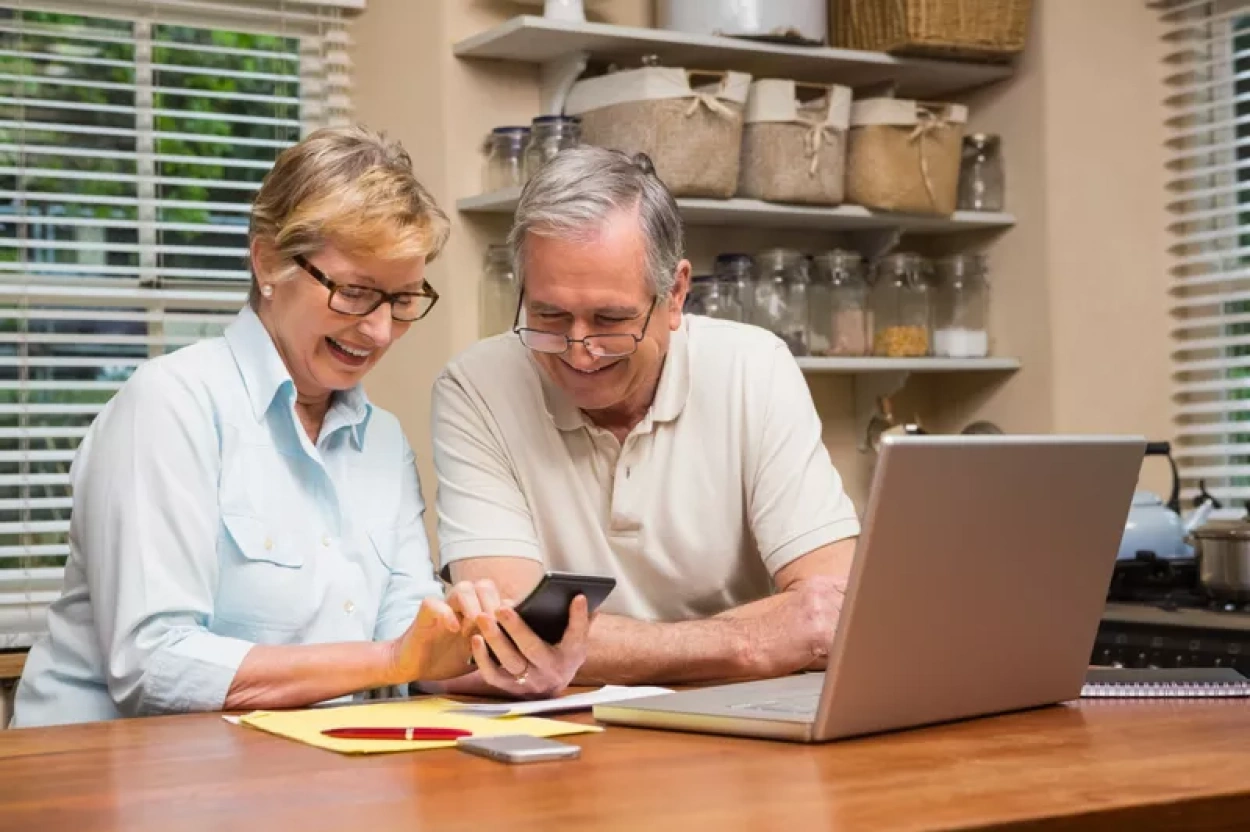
<point x="904" y="155"/>
<point x="688" y="121"/>
<point x="984" y="30"/>
<point x="794" y="150"/>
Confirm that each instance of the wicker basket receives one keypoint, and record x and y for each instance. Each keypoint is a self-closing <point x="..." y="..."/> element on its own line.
<point x="985" y="30"/>
<point x="794" y="150"/>
<point x="691" y="131"/>
<point x="905" y="155"/>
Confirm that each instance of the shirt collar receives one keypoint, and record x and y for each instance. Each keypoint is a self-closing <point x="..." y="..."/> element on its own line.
<point x="670" y="395"/>
<point x="265" y="376"/>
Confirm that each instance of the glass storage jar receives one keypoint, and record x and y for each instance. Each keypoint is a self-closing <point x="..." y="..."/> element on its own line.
<point x="838" y="315"/>
<point x="699" y="286"/>
<point x="900" y="307"/>
<point x="737" y="272"/>
<point x="505" y="158"/>
<point x="721" y="301"/>
<point x="497" y="301"/>
<point x="781" y="281"/>
<point x="714" y="298"/>
<point x="982" y="185"/>
<point x="961" y="314"/>
<point x="548" y="136"/>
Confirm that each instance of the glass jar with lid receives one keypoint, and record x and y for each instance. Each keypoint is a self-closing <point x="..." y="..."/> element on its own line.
<point x="901" y="306"/>
<point x="838" y="314"/>
<point x="714" y="298"/>
<point x="839" y="319"/>
<point x="721" y="301"/>
<point x="505" y="158"/>
<point x="737" y="273"/>
<point x="781" y="282"/>
<point x="699" y="285"/>
<point x="961" y="314"/>
<point x="982" y="185"/>
<point x="497" y="301"/>
<point x="548" y="136"/>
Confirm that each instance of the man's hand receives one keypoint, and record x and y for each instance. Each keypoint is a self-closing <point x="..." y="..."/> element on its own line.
<point x="527" y="666"/>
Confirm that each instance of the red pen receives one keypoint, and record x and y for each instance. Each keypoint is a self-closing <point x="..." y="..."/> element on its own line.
<point x="396" y="733"/>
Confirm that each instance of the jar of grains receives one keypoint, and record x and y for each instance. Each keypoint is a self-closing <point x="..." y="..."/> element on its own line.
<point x="900" y="306"/>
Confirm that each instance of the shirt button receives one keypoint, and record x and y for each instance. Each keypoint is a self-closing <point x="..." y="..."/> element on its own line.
<point x="349" y="607"/>
<point x="268" y="543"/>
<point x="325" y="540"/>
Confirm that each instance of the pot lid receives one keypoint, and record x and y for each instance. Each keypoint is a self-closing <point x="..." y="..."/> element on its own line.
<point x="1224" y="530"/>
<point x="1146" y="498"/>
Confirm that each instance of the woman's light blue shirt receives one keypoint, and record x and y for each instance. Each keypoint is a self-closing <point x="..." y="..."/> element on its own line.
<point x="205" y="521"/>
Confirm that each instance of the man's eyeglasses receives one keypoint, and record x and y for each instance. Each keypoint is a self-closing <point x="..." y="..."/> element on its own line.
<point x="353" y="299"/>
<point x="611" y="345"/>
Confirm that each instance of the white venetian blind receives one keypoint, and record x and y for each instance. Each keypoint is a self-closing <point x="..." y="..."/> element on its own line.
<point x="1208" y="96"/>
<point x="133" y="136"/>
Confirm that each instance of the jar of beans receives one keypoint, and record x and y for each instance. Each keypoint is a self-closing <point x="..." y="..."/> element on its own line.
<point x="900" y="307"/>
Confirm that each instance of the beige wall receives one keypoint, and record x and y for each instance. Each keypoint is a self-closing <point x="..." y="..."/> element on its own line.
<point x="1106" y="227"/>
<point x="1078" y="284"/>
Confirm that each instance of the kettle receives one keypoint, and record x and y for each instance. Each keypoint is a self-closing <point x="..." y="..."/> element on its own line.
<point x="1154" y="528"/>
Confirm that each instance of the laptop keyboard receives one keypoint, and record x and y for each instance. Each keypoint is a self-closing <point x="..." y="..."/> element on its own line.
<point x="803" y="704"/>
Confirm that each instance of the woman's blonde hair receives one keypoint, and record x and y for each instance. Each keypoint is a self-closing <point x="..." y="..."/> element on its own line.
<point x="350" y="186"/>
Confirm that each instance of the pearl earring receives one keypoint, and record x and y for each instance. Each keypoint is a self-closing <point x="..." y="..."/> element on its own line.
<point x="267" y="290"/>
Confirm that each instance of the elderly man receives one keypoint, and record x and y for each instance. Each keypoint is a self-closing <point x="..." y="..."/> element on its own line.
<point x="612" y="435"/>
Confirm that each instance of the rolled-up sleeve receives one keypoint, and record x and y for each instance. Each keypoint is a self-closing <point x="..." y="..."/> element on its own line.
<point x="412" y="576"/>
<point x="145" y="525"/>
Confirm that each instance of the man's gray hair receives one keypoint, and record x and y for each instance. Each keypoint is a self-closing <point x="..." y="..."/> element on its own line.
<point x="573" y="195"/>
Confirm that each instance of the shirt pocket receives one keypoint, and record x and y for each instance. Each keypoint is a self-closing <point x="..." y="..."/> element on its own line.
<point x="265" y="586"/>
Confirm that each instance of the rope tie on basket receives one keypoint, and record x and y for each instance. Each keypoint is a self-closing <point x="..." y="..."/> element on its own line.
<point x="927" y="122"/>
<point x="818" y="132"/>
<point x="710" y="101"/>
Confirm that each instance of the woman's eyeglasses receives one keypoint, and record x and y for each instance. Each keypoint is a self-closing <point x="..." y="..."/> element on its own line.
<point x="353" y="299"/>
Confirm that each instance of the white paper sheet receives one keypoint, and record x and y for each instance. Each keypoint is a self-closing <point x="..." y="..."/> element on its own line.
<point x="576" y="702"/>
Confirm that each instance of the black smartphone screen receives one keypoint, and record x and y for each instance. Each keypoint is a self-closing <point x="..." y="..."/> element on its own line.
<point x="546" y="608"/>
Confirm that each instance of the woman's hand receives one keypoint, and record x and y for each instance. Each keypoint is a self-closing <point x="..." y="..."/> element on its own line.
<point x="436" y="644"/>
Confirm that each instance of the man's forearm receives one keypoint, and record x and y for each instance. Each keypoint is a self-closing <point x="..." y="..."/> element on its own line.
<point x="735" y="645"/>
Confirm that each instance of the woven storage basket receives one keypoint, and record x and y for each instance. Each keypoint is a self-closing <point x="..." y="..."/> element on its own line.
<point x="792" y="150"/>
<point x="985" y="30"/>
<point x="691" y="131"/>
<point x="904" y="155"/>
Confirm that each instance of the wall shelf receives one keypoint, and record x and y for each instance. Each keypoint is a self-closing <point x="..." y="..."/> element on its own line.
<point x="757" y="214"/>
<point x="536" y="40"/>
<point x="876" y="378"/>
<point x="856" y="366"/>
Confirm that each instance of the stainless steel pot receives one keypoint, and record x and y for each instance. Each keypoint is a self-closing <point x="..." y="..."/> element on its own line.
<point x="1224" y="558"/>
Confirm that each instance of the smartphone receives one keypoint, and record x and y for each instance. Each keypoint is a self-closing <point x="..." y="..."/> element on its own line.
<point x="546" y="608"/>
<point x="518" y="749"/>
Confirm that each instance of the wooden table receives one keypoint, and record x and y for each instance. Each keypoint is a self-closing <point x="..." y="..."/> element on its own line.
<point x="1098" y="765"/>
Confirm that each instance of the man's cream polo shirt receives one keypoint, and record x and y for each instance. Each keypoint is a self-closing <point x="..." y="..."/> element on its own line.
<point x="724" y="482"/>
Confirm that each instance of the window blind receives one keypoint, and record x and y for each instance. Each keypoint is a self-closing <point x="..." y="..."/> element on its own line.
<point x="133" y="136"/>
<point x="1207" y="77"/>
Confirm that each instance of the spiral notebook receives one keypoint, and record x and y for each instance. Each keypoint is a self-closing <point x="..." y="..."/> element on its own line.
<point x="1151" y="683"/>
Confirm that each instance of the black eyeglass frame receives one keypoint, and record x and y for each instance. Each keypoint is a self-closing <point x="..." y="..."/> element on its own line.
<point x="426" y="291"/>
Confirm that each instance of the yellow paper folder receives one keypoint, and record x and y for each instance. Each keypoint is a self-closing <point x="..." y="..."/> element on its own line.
<point x="306" y="725"/>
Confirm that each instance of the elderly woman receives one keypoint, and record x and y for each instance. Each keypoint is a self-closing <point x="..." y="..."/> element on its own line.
<point x="247" y="528"/>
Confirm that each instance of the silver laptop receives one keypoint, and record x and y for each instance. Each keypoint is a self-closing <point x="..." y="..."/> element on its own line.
<point x="977" y="588"/>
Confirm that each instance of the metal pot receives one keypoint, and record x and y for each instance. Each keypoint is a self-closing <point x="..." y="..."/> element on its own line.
<point x="1224" y="558"/>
